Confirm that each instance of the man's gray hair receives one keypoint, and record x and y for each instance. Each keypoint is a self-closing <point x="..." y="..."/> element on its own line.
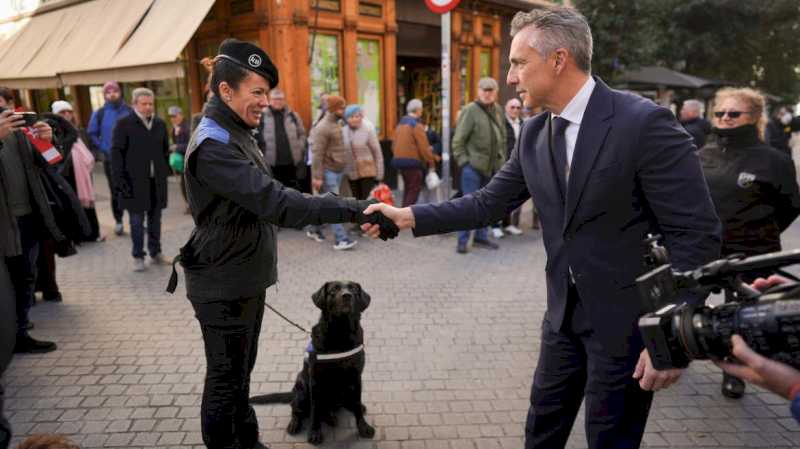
<point x="414" y="105"/>
<point x="141" y="92"/>
<point x="276" y="93"/>
<point x="558" y="27"/>
<point x="694" y="105"/>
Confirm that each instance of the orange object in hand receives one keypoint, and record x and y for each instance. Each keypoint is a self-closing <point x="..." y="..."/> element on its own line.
<point x="383" y="193"/>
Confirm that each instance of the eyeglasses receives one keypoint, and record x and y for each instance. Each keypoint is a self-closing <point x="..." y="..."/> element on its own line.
<point x="731" y="114"/>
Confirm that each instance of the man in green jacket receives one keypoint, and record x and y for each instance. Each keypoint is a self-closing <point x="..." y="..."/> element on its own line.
<point x="479" y="148"/>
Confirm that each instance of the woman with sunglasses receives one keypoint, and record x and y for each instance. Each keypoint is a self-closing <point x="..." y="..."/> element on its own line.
<point x="752" y="185"/>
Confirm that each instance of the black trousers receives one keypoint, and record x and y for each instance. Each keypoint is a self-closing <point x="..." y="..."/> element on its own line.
<point x="361" y="187"/>
<point x="8" y="333"/>
<point x="46" y="269"/>
<point x="22" y="270"/>
<point x="116" y="207"/>
<point x="230" y="333"/>
<point x="573" y="365"/>
<point x="5" y="426"/>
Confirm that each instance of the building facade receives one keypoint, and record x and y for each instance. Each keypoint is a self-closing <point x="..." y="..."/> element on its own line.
<point x="378" y="53"/>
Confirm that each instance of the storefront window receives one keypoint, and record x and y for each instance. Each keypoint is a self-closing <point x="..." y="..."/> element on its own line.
<point x="486" y="63"/>
<point x="464" y="64"/>
<point x="327" y="5"/>
<point x="370" y="9"/>
<point x="369" y="80"/>
<point x="324" y="68"/>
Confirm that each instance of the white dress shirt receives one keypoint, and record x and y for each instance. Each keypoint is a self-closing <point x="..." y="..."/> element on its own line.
<point x="573" y="113"/>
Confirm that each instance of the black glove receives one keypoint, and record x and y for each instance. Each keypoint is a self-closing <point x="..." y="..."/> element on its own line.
<point x="389" y="230"/>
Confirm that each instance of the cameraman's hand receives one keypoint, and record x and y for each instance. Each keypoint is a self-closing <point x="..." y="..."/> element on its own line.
<point x="762" y="284"/>
<point x="9" y="122"/>
<point x="776" y="377"/>
<point x="651" y="379"/>
<point x="403" y="218"/>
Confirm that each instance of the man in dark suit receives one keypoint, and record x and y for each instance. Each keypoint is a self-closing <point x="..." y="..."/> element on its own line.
<point x="140" y="164"/>
<point x="604" y="168"/>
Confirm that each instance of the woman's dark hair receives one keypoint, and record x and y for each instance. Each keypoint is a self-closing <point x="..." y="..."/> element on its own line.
<point x="6" y="94"/>
<point x="228" y="71"/>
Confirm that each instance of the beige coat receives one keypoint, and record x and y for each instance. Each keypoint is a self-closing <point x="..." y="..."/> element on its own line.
<point x="328" y="151"/>
<point x="367" y="155"/>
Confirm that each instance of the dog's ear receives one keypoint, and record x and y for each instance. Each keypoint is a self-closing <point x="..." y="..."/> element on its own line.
<point x="363" y="298"/>
<point x="319" y="296"/>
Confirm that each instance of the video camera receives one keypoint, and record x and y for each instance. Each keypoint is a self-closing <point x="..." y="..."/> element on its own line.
<point x="677" y="333"/>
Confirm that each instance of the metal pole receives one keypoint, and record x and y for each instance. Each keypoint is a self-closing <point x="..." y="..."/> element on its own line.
<point x="446" y="104"/>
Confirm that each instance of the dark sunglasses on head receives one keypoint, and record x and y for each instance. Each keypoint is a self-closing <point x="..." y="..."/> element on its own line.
<point x="731" y="114"/>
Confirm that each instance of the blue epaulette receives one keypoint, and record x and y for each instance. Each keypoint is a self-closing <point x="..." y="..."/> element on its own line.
<point x="209" y="129"/>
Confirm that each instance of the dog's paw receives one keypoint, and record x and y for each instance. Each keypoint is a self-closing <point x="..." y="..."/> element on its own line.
<point x="294" y="427"/>
<point x="365" y="430"/>
<point x="315" y="437"/>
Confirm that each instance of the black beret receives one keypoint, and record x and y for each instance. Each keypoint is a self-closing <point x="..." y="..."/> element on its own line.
<point x="250" y="57"/>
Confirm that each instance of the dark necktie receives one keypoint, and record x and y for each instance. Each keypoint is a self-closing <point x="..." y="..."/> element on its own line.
<point x="559" y="149"/>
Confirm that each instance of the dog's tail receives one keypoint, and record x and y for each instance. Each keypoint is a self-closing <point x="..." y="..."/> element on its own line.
<point x="273" y="398"/>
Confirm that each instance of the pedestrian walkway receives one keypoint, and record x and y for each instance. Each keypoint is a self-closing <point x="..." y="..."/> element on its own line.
<point x="451" y="343"/>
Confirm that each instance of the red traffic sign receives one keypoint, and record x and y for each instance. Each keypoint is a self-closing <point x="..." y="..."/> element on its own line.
<point x="441" y="6"/>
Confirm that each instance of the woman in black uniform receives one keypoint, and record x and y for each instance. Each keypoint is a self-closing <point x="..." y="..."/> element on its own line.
<point x="752" y="184"/>
<point x="230" y="259"/>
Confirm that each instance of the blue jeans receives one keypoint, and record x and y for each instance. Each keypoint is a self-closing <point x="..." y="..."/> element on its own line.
<point x="153" y="230"/>
<point x="472" y="181"/>
<point x="331" y="184"/>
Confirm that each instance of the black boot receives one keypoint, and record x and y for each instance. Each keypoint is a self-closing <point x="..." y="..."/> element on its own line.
<point x="28" y="345"/>
<point x="732" y="387"/>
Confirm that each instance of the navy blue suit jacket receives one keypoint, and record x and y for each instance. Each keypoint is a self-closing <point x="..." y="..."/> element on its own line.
<point x="634" y="172"/>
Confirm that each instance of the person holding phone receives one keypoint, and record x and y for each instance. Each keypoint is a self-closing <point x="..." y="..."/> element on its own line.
<point x="24" y="209"/>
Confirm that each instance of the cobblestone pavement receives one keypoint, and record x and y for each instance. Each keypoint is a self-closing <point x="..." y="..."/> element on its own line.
<point x="451" y="340"/>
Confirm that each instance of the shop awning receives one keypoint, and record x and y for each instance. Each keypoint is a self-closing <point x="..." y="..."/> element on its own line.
<point x="661" y="76"/>
<point x="99" y="40"/>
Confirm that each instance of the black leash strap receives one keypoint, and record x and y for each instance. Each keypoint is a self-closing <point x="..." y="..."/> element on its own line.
<point x="286" y="319"/>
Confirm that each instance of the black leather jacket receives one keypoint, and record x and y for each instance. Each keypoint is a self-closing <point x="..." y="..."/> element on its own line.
<point x="236" y="204"/>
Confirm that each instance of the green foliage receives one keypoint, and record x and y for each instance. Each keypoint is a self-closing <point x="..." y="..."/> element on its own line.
<point x="747" y="42"/>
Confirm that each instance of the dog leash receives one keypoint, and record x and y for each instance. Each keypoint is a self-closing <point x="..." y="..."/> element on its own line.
<point x="286" y="319"/>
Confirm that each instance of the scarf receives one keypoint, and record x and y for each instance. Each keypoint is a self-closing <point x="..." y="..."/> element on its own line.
<point x="82" y="163"/>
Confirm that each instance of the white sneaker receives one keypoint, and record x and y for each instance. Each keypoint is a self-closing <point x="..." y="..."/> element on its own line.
<point x="315" y="236"/>
<point x="118" y="229"/>
<point x="138" y="264"/>
<point x="513" y="230"/>
<point x="497" y="233"/>
<point x="344" y="244"/>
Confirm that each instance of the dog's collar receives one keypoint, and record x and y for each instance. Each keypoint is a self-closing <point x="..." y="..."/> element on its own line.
<point x="335" y="355"/>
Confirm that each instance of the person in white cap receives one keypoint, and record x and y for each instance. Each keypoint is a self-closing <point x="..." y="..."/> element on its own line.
<point x="78" y="161"/>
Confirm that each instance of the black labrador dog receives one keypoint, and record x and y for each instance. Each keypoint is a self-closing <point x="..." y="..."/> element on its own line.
<point x="334" y="360"/>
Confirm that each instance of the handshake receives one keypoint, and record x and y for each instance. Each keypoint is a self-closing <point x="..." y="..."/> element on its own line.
<point x="382" y="221"/>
